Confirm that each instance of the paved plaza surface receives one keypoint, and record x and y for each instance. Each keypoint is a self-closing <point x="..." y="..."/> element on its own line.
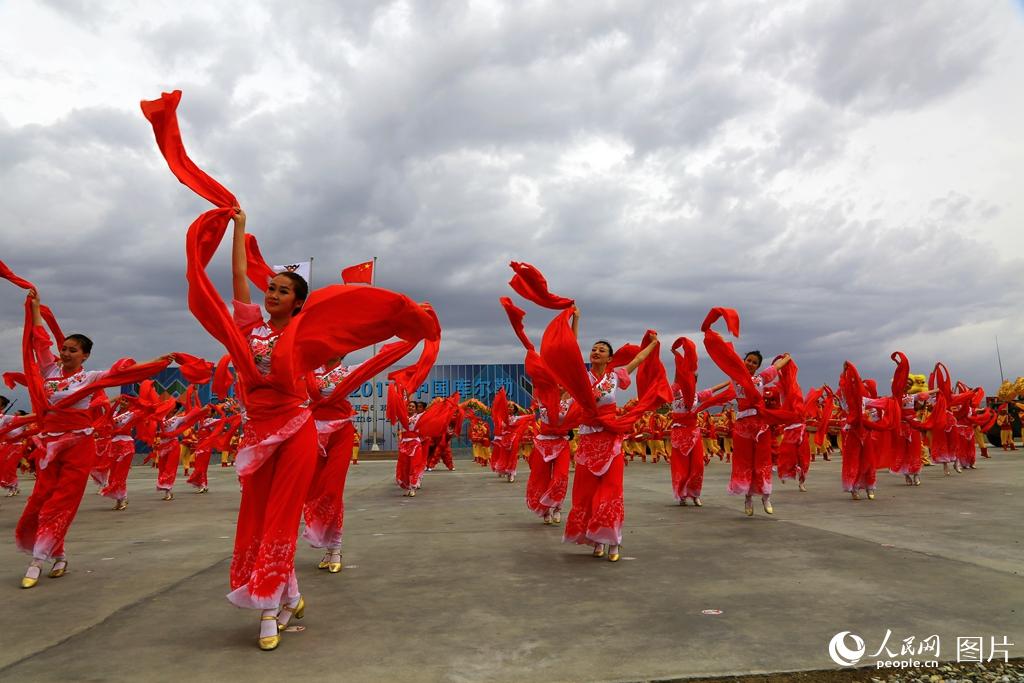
<point x="462" y="583"/>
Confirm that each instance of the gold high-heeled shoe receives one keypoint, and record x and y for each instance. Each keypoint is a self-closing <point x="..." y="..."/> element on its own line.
<point x="748" y="508"/>
<point x="55" y="572"/>
<point x="323" y="563"/>
<point x="768" y="509"/>
<point x="871" y="494"/>
<point x="698" y="502"/>
<point x="28" y="581"/>
<point x="334" y="567"/>
<point x="853" y="494"/>
<point x="298" y="612"/>
<point x="269" y="642"/>
<point x="599" y="550"/>
<point x="412" y="493"/>
<point x="614" y="557"/>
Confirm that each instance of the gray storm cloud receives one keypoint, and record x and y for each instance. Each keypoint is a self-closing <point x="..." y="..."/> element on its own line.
<point x="635" y="152"/>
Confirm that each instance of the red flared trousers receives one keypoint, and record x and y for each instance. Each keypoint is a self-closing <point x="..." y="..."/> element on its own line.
<point x="324" y="511"/>
<point x="263" y="565"/>
<point x="55" y="499"/>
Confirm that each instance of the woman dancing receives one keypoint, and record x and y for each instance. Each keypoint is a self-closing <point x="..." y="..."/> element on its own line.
<point x="276" y="459"/>
<point x="688" y="456"/>
<point x="60" y="389"/>
<point x="752" y="449"/>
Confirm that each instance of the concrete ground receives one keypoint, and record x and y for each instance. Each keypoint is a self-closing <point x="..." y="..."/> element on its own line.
<point x="462" y="583"/>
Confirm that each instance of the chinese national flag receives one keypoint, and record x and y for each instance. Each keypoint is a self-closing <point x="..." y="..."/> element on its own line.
<point x="361" y="272"/>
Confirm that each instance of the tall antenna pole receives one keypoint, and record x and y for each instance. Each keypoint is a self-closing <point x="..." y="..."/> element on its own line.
<point x="310" y="283"/>
<point x="373" y="393"/>
<point x="1000" y="357"/>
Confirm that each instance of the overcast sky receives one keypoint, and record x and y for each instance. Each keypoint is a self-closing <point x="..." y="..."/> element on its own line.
<point x="845" y="174"/>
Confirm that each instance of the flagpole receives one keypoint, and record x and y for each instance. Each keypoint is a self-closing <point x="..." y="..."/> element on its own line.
<point x="1002" y="378"/>
<point x="310" y="283"/>
<point x="373" y="393"/>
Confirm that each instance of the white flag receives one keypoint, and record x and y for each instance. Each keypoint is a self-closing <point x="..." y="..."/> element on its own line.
<point x="303" y="268"/>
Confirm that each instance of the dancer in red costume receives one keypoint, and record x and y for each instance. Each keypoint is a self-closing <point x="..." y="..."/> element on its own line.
<point x="867" y="417"/>
<point x="946" y="433"/>
<point x="442" y="452"/>
<point x="519" y="423"/>
<point x="794" y="459"/>
<point x="329" y="387"/>
<point x="549" y="463"/>
<point x="416" y="428"/>
<point x="167" y="447"/>
<point x="277" y="456"/>
<point x="752" y="460"/>
<point x="60" y="390"/>
<point x="129" y="414"/>
<point x="211" y="431"/>
<point x="906" y="437"/>
<point x="549" y="460"/>
<point x="501" y="442"/>
<point x="324" y="511"/>
<point x="10" y="448"/>
<point x="968" y="414"/>
<point x="598" y="509"/>
<point x="122" y="452"/>
<point x="688" y="457"/>
<point x="412" y="460"/>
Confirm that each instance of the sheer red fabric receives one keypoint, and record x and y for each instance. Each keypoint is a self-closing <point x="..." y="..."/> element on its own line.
<point x="561" y="353"/>
<point x="335" y="320"/>
<point x="531" y="285"/>
<point x="194" y="369"/>
<point x="257" y="270"/>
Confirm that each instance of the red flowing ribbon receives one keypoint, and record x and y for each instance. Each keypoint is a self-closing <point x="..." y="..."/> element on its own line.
<point x="258" y="271"/>
<point x="530" y="284"/>
<point x="194" y="369"/>
<point x="685" y="369"/>
<point x="335" y="320"/>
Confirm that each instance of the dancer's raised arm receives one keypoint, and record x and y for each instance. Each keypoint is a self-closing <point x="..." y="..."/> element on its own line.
<point x="239" y="263"/>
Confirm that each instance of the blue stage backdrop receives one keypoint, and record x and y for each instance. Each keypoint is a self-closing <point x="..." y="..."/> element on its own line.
<point x="477" y="381"/>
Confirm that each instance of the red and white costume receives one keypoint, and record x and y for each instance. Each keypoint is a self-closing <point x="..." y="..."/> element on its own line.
<point x="11" y="448"/>
<point x="208" y="433"/>
<point x="751" y="440"/>
<point x="687" y="462"/>
<point x="324" y="510"/>
<point x="412" y="458"/>
<point x="794" y="453"/>
<point x="598" y="510"/>
<point x="167" y="450"/>
<point x="122" y="451"/>
<point x="549" y="463"/>
<point x="68" y="447"/>
<point x="275" y="462"/>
